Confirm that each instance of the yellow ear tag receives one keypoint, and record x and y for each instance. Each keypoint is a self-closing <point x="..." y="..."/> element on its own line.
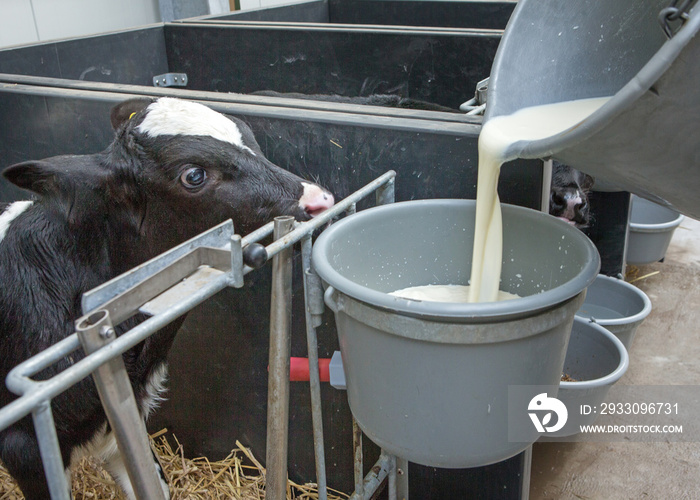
<point x="132" y="115"/>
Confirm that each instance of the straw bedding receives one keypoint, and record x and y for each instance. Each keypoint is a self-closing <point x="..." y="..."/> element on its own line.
<point x="238" y="476"/>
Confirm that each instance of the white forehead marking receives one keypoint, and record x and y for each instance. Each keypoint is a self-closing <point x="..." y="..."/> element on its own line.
<point x="11" y="213"/>
<point x="168" y="116"/>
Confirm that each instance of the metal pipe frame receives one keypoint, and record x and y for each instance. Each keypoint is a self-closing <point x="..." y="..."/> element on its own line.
<point x="35" y="396"/>
<point x="374" y="478"/>
<point x="313" y="300"/>
<point x="278" y="378"/>
<point x="118" y="400"/>
<point x="358" y="458"/>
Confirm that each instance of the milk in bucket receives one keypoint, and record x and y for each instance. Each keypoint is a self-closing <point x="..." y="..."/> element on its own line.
<point x="532" y="123"/>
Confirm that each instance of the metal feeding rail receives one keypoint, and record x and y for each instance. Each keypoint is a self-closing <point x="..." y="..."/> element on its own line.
<point x="165" y="288"/>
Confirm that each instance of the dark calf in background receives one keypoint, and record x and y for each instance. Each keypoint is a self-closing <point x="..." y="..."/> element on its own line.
<point x="174" y="170"/>
<point x="569" y="195"/>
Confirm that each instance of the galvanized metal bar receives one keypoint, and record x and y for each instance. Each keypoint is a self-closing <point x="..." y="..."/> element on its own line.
<point x="34" y="393"/>
<point x="374" y="478"/>
<point x="216" y="237"/>
<point x="315" y="305"/>
<point x="310" y="290"/>
<point x="385" y="193"/>
<point x="527" y="472"/>
<point x="546" y="185"/>
<point x="358" y="458"/>
<point x="54" y="469"/>
<point x="392" y="478"/>
<point x="236" y="261"/>
<point x="128" y="303"/>
<point x="401" y="478"/>
<point x="117" y="396"/>
<point x="278" y="381"/>
<point x="258" y="234"/>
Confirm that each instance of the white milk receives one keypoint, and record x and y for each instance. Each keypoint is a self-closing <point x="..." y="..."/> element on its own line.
<point x="443" y="293"/>
<point x="537" y="122"/>
<point x="498" y="133"/>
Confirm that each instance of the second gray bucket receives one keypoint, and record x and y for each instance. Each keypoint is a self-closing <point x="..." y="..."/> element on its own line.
<point x="428" y="381"/>
<point x="644" y="139"/>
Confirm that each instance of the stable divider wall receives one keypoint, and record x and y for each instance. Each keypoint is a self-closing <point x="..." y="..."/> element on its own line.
<point x="441" y="67"/>
<point x="125" y="57"/>
<point x="444" y="14"/>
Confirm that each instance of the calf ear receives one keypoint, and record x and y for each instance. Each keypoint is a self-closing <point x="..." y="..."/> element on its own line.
<point x="587" y="181"/>
<point x="124" y="111"/>
<point x="38" y="176"/>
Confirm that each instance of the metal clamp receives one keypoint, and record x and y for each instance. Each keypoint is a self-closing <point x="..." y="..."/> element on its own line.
<point x="477" y="104"/>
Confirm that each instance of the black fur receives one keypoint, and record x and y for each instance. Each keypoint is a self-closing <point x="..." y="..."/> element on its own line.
<point x="96" y="217"/>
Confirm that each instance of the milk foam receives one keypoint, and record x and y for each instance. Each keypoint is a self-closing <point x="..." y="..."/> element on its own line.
<point x="443" y="293"/>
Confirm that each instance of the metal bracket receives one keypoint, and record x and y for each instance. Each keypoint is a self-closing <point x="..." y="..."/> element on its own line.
<point x="170" y="80"/>
<point x="477" y="104"/>
<point x="125" y="294"/>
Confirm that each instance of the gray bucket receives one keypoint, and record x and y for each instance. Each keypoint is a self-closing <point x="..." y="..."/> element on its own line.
<point x="651" y="229"/>
<point x="617" y="306"/>
<point x="428" y="381"/>
<point x="643" y="140"/>
<point x="596" y="359"/>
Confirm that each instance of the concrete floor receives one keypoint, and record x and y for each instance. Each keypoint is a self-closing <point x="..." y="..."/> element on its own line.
<point x="665" y="351"/>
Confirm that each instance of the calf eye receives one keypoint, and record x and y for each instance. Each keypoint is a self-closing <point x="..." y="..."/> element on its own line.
<point x="193" y="177"/>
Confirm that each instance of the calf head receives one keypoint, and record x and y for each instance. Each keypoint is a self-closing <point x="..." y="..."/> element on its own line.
<point x="175" y="169"/>
<point x="569" y="195"/>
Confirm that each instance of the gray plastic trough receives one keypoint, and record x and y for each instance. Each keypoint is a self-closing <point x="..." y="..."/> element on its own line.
<point x="651" y="229"/>
<point x="428" y="381"/>
<point x="617" y="306"/>
<point x="596" y="359"/>
<point x="643" y="139"/>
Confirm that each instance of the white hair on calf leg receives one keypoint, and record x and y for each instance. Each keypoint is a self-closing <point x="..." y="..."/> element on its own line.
<point x="11" y="213"/>
<point x="169" y="116"/>
<point x="69" y="477"/>
<point x="114" y="464"/>
<point x="155" y="390"/>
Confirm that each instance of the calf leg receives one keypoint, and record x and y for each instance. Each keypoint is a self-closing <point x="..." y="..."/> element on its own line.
<point x="114" y="464"/>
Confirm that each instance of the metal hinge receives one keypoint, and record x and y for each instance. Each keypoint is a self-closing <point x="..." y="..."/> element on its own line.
<point x="477" y="105"/>
<point x="170" y="80"/>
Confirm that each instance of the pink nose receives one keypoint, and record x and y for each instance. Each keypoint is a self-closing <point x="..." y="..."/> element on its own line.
<point x="573" y="203"/>
<point x="315" y="199"/>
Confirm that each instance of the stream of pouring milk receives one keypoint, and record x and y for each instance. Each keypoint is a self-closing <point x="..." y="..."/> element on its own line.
<point x="533" y="123"/>
<point x="537" y="122"/>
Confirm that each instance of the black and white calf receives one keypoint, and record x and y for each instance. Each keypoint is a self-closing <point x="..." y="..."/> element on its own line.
<point x="174" y="169"/>
<point x="568" y="198"/>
